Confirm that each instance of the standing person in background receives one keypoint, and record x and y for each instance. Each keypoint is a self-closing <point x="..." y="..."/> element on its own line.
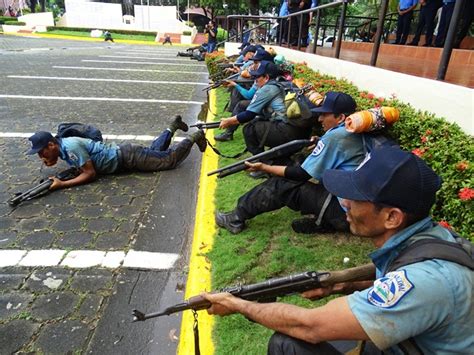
<point x="211" y="37"/>
<point x="293" y="7"/>
<point x="428" y="9"/>
<point x="283" y="23"/>
<point x="446" y="14"/>
<point x="405" y="14"/>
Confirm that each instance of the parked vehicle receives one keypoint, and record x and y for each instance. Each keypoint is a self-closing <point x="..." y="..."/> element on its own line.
<point x="327" y="41"/>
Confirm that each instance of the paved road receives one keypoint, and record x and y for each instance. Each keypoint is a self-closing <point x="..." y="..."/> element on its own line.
<point x="81" y="302"/>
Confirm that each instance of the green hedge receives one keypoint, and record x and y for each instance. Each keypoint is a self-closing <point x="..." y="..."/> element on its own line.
<point x="187" y="33"/>
<point x="4" y="19"/>
<point x="15" y="23"/>
<point x="443" y="145"/>
<point x="79" y="29"/>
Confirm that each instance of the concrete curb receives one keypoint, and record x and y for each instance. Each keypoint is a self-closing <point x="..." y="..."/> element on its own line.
<point x="199" y="276"/>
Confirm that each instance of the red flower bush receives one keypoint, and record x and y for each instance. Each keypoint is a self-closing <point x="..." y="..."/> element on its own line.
<point x="419" y="152"/>
<point x="466" y="194"/>
<point x="445" y="224"/>
<point x="462" y="165"/>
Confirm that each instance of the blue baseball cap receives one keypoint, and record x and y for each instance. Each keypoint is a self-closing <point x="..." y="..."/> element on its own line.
<point x="249" y="49"/>
<point x="390" y="176"/>
<point x="265" y="67"/>
<point x="336" y="103"/>
<point x="39" y="140"/>
<point x="245" y="44"/>
<point x="262" y="54"/>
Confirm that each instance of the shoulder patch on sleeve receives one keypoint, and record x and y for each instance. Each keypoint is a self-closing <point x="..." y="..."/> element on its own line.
<point x="319" y="148"/>
<point x="73" y="157"/>
<point x="390" y="289"/>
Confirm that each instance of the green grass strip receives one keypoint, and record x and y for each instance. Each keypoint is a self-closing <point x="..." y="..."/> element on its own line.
<point x="266" y="249"/>
<point x="150" y="38"/>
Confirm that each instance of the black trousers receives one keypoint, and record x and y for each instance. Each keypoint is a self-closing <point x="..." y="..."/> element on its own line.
<point x="306" y="197"/>
<point x="426" y="19"/>
<point x="159" y="156"/>
<point x="281" y="344"/>
<point x="403" y="27"/>
<point x="294" y="27"/>
<point x="446" y="15"/>
<point x="259" y="134"/>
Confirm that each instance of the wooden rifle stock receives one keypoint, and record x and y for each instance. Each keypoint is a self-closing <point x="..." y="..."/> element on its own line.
<point x="270" y="289"/>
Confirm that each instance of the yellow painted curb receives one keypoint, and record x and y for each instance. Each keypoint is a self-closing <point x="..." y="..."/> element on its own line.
<point x="199" y="276"/>
<point x="90" y="39"/>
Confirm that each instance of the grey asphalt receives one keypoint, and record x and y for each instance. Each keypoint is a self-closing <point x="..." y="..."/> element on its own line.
<point x="57" y="310"/>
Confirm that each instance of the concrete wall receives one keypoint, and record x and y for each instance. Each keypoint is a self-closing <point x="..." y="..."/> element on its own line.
<point x="162" y="19"/>
<point x="91" y="15"/>
<point x="38" y="19"/>
<point x="453" y="102"/>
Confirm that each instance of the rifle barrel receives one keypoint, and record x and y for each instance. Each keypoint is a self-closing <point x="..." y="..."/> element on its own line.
<point x="284" y="149"/>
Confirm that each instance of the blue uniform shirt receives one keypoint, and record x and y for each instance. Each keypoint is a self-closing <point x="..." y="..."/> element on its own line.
<point x="405" y="4"/>
<point x="336" y="149"/>
<point x="77" y="151"/>
<point x="270" y="96"/>
<point x="247" y="93"/>
<point x="283" y="9"/>
<point x="430" y="301"/>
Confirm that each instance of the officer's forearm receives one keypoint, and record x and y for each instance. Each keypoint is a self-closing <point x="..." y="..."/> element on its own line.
<point x="83" y="178"/>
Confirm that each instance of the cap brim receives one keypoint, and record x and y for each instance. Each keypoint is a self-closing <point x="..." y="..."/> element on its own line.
<point x="33" y="151"/>
<point x="321" y="109"/>
<point x="340" y="183"/>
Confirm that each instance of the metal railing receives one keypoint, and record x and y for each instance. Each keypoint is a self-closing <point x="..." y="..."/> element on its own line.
<point x="385" y="24"/>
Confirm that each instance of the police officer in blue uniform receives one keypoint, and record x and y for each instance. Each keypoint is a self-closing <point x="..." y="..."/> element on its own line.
<point x="425" y="307"/>
<point x="269" y="103"/>
<point x="293" y="186"/>
<point x="95" y="158"/>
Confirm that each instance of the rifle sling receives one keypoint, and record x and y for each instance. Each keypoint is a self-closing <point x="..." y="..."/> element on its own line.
<point x="197" y="350"/>
<point x="238" y="155"/>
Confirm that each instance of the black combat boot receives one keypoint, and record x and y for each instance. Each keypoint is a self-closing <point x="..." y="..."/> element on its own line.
<point x="178" y="123"/>
<point x="200" y="139"/>
<point x="230" y="221"/>
<point x="225" y="136"/>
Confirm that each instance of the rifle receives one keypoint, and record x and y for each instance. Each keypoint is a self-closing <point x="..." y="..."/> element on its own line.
<point x="229" y="65"/>
<point x="275" y="152"/>
<point x="269" y="290"/>
<point x="42" y="187"/>
<point x="220" y="82"/>
<point x="206" y="125"/>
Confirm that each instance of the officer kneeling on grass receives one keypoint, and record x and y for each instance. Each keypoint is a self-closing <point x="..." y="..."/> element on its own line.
<point x="425" y="307"/>
<point x="101" y="158"/>
<point x="268" y="102"/>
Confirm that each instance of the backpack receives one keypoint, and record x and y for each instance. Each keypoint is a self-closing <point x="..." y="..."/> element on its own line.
<point x="298" y="106"/>
<point x="79" y="130"/>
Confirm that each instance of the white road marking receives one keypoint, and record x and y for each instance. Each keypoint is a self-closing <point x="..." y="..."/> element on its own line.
<point x="121" y="137"/>
<point x="158" y="58"/>
<point x="88" y="258"/>
<point x="106" y="80"/>
<point x="146" y="63"/>
<point x="42" y="258"/>
<point x="131" y="69"/>
<point x="149" y="260"/>
<point x="11" y="257"/>
<point x="116" y="99"/>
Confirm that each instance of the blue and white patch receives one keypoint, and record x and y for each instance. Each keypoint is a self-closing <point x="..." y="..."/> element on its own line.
<point x="73" y="157"/>
<point x="390" y="289"/>
<point x="319" y="148"/>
